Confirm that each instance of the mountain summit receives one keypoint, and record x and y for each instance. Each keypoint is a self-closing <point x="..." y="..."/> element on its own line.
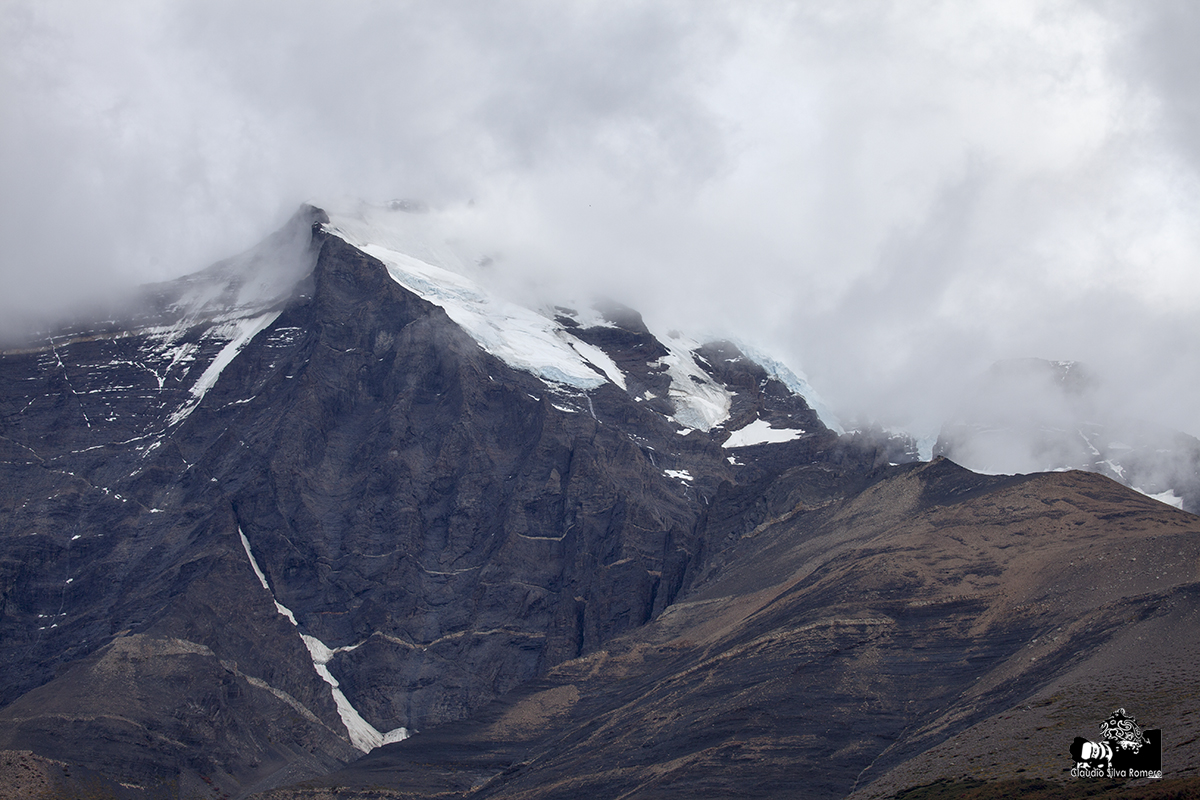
<point x="335" y="508"/>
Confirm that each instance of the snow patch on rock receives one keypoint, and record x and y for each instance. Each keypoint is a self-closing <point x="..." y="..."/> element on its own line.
<point x="519" y="336"/>
<point x="238" y="333"/>
<point x="700" y="402"/>
<point x="1169" y="497"/>
<point x="761" y="432"/>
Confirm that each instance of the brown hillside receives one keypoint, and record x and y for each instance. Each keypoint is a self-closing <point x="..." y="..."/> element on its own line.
<point x="940" y="624"/>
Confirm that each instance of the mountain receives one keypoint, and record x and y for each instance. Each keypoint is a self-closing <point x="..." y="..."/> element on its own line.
<point x="335" y="511"/>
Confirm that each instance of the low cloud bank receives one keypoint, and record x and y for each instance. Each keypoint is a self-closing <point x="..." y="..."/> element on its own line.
<point x="890" y="197"/>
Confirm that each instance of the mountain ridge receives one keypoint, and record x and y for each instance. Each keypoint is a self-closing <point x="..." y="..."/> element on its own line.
<point x="753" y="683"/>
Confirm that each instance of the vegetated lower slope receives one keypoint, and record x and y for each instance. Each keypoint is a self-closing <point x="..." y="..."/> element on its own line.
<point x="937" y="625"/>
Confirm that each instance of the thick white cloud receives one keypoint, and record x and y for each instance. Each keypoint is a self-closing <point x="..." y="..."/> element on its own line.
<point x="890" y="194"/>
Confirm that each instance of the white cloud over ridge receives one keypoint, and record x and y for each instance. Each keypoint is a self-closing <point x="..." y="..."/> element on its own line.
<point x="890" y="195"/>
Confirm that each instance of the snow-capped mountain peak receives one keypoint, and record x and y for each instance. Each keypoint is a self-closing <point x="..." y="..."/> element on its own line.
<point x="425" y="254"/>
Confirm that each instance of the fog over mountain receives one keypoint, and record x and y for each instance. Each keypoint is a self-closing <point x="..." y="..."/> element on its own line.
<point x="888" y="196"/>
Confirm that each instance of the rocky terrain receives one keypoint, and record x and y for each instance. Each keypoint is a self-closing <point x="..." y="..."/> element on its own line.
<point x="331" y="514"/>
<point x="938" y="624"/>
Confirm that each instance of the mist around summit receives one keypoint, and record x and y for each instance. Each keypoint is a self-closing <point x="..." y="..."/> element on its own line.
<point x="890" y="198"/>
<point x="638" y="399"/>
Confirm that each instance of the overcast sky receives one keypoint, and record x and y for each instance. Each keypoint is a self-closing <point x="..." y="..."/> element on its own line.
<point x="890" y="195"/>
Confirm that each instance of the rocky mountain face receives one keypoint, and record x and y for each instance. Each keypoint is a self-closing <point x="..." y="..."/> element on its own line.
<point x="332" y="511"/>
<point x="293" y="509"/>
